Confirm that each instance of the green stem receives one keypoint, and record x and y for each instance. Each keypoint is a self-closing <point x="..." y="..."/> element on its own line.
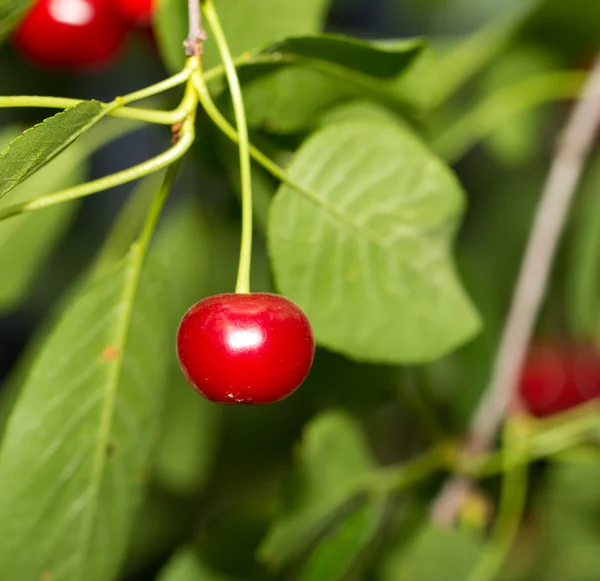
<point x="243" y="277"/>
<point x="116" y="179"/>
<point x="522" y="446"/>
<point x="499" y="107"/>
<point x="137" y="114"/>
<point x="149" y="115"/>
<point x="398" y="478"/>
<point x="547" y="442"/>
<point x="279" y="173"/>
<point x="162" y="86"/>
<point x="510" y="511"/>
<point x="157" y="205"/>
<point x="184" y="141"/>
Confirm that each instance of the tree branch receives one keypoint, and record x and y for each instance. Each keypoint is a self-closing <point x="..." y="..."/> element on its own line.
<point x="196" y="34"/>
<point x="573" y="148"/>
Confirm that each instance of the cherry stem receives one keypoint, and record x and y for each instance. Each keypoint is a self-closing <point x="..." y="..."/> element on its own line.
<point x="186" y="133"/>
<point x="196" y="34"/>
<point x="162" y="86"/>
<point x="243" y="276"/>
<point x="275" y="170"/>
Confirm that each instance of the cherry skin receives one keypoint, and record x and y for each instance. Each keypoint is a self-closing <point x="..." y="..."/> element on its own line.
<point x="252" y="348"/>
<point x="134" y="12"/>
<point x="558" y="376"/>
<point x="70" y="34"/>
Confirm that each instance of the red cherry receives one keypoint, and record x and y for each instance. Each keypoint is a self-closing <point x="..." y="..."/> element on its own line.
<point x="134" y="12"/>
<point x="245" y="348"/>
<point x="70" y="34"/>
<point x="559" y="376"/>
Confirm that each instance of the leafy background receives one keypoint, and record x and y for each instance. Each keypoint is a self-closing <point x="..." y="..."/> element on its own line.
<point x="279" y="492"/>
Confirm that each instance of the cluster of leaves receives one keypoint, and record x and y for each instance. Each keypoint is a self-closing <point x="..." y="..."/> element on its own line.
<point x="110" y="464"/>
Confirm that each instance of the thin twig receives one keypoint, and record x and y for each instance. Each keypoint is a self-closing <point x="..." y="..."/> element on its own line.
<point x="196" y="34"/>
<point x="572" y="151"/>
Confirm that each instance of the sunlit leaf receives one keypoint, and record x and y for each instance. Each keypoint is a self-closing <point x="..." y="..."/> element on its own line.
<point x="38" y="145"/>
<point x="76" y="448"/>
<point x="370" y="257"/>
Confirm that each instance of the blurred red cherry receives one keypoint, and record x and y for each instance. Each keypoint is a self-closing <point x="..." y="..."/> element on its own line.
<point x="70" y="34"/>
<point x="558" y="375"/>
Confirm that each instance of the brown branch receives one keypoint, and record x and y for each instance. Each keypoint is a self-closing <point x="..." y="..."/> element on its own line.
<point x="573" y="148"/>
<point x="196" y="35"/>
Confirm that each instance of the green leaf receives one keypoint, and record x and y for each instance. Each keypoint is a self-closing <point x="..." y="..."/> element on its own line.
<point x="333" y="460"/>
<point x="568" y="519"/>
<point x="339" y="553"/>
<point x="373" y="58"/>
<point x="112" y="251"/>
<point x="128" y="224"/>
<point x="185" y="565"/>
<point x="189" y="437"/>
<point x="416" y="86"/>
<point x="26" y="240"/>
<point x="432" y="555"/>
<point x="190" y="432"/>
<point x="289" y="99"/>
<point x="38" y="145"/>
<point x="183" y="247"/>
<point x="76" y="448"/>
<point x="244" y="21"/>
<point x="518" y="141"/>
<point x="11" y="12"/>
<point x="361" y="110"/>
<point x="583" y="288"/>
<point x="369" y="258"/>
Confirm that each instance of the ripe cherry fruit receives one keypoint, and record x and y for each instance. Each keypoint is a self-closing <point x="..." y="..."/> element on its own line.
<point x="245" y="348"/>
<point x="71" y="34"/>
<point x="558" y="376"/>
